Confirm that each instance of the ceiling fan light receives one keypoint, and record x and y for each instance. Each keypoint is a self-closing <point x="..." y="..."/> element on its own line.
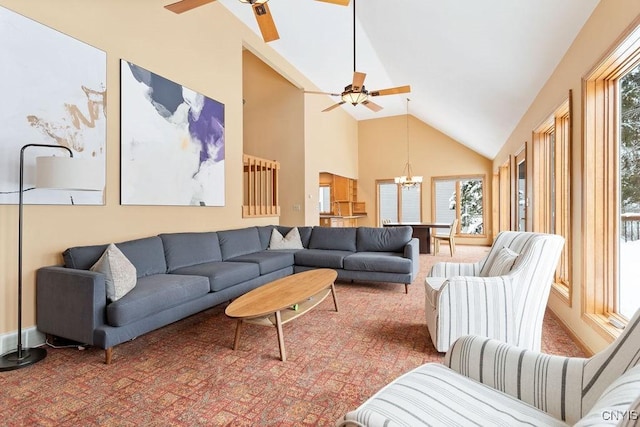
<point x="354" y="98"/>
<point x="253" y="1"/>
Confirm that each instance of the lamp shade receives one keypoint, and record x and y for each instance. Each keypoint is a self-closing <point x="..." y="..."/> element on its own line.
<point x="69" y="173"/>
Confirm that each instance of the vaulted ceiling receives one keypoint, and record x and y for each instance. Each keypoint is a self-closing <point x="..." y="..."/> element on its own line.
<point x="474" y="66"/>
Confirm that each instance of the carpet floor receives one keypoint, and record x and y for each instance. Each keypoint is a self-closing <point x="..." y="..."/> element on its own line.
<point x="187" y="374"/>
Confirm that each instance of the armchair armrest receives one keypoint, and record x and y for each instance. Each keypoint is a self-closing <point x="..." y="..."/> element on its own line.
<point x="449" y="269"/>
<point x="552" y="384"/>
<point x="412" y="251"/>
<point x="70" y="303"/>
<point x="474" y="306"/>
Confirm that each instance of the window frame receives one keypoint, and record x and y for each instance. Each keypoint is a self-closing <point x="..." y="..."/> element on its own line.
<point x="398" y="199"/>
<point x="458" y="178"/>
<point x="551" y="152"/>
<point x="600" y="193"/>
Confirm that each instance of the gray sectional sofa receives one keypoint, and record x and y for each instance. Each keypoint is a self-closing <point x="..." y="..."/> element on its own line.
<point x="180" y="274"/>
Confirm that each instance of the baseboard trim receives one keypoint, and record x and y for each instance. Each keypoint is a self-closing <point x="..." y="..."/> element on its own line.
<point x="31" y="337"/>
<point x="587" y="351"/>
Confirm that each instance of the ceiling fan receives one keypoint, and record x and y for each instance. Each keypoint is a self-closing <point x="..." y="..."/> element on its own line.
<point x="355" y="93"/>
<point x="260" y="10"/>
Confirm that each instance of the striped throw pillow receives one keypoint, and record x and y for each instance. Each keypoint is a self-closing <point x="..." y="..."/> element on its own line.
<point x="503" y="263"/>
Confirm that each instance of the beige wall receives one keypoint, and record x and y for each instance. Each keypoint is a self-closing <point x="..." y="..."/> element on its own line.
<point x="382" y="154"/>
<point x="331" y="145"/>
<point x="274" y="129"/>
<point x="607" y="23"/>
<point x="200" y="50"/>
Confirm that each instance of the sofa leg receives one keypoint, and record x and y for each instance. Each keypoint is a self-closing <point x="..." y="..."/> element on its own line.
<point x="406" y="288"/>
<point x="108" y="354"/>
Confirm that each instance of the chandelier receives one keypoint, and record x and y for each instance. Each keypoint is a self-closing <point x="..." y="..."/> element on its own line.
<point x="407" y="179"/>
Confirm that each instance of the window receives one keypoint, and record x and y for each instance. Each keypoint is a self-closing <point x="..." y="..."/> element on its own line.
<point x="398" y="204"/>
<point x="551" y="188"/>
<point x="462" y="198"/>
<point x="610" y="141"/>
<point x="324" y="199"/>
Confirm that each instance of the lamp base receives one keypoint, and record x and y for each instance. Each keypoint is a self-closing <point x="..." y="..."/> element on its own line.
<point x="11" y="361"/>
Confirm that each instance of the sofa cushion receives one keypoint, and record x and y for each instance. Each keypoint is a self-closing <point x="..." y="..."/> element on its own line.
<point x="186" y="249"/>
<point x="268" y="261"/>
<point x="321" y="258"/>
<point x="154" y="294"/>
<point x="387" y="239"/>
<point x="119" y="274"/>
<point x="223" y="274"/>
<point x="146" y="254"/>
<point x="238" y="242"/>
<point x="340" y="239"/>
<point x="384" y="262"/>
<point x="289" y="241"/>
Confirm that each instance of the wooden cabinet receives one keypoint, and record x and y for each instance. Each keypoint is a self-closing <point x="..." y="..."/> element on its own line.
<point x="342" y="188"/>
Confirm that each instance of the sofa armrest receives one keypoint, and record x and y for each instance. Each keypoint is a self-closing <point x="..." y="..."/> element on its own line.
<point x="70" y="303"/>
<point x="551" y="383"/>
<point x="412" y="251"/>
<point x="449" y="269"/>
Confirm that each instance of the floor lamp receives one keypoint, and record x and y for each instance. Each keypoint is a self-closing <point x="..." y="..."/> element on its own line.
<point x="51" y="172"/>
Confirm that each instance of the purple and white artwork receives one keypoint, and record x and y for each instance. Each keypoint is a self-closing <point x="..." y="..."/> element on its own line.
<point x="53" y="92"/>
<point x="172" y="142"/>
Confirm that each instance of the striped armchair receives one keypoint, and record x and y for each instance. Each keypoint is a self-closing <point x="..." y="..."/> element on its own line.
<point x="487" y="382"/>
<point x="503" y="296"/>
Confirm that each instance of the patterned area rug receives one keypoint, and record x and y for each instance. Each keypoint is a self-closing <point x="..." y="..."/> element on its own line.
<point x="187" y="374"/>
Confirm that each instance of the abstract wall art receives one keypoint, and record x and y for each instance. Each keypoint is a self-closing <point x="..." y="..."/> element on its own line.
<point x="172" y="142"/>
<point x="53" y="92"/>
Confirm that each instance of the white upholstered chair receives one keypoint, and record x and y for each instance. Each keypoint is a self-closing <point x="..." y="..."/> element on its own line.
<point x="490" y="383"/>
<point x="503" y="296"/>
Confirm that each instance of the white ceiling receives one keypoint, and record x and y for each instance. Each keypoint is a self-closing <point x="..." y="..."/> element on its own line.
<point x="474" y="66"/>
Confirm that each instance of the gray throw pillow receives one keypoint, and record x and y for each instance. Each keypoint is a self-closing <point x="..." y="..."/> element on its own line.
<point x="119" y="273"/>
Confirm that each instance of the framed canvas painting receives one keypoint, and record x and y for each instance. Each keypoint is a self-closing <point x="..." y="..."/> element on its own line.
<point x="172" y="142"/>
<point x="54" y="92"/>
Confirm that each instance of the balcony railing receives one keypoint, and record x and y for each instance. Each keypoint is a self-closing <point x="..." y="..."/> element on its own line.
<point x="630" y="227"/>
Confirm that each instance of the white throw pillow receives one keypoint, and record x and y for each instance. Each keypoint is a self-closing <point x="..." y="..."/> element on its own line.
<point x="503" y="263"/>
<point x="119" y="274"/>
<point x="290" y="241"/>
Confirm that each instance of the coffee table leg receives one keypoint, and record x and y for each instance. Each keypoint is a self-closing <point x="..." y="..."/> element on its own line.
<point x="283" y="354"/>
<point x="333" y="294"/>
<point x="236" y="341"/>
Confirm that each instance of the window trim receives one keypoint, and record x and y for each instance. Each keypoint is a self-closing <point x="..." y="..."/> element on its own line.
<point x="483" y="178"/>
<point x="600" y="175"/>
<point x="398" y="199"/>
<point x="560" y="123"/>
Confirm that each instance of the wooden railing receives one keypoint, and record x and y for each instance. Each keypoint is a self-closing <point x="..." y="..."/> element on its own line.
<point x="630" y="227"/>
<point x="260" y="187"/>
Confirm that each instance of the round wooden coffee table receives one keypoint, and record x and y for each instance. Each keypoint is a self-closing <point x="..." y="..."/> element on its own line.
<point x="273" y="304"/>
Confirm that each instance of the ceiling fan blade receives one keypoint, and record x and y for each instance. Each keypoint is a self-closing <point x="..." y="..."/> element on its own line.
<point x="358" y="81"/>
<point x="372" y="106"/>
<point x="338" y="2"/>
<point x="333" y="106"/>
<point x="391" y="91"/>
<point x="265" y="22"/>
<point x="186" y="5"/>
<point x="321" y="93"/>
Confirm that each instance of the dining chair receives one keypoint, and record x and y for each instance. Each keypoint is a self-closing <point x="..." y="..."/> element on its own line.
<point x="449" y="237"/>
